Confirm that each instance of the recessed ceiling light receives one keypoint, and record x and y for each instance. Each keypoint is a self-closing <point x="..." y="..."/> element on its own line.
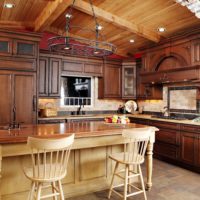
<point x="9" y="5"/>
<point x="161" y="29"/>
<point x="131" y="40"/>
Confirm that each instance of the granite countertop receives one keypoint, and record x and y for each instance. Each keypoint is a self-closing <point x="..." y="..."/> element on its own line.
<point x="142" y="116"/>
<point x="182" y="121"/>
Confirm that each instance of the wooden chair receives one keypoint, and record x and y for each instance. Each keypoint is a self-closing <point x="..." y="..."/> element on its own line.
<point x="49" y="165"/>
<point x="136" y="141"/>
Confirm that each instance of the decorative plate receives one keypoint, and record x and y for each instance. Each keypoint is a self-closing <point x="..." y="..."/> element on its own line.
<point x="130" y="106"/>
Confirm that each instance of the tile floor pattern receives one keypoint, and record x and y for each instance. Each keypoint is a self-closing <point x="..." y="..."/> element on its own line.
<point x="169" y="183"/>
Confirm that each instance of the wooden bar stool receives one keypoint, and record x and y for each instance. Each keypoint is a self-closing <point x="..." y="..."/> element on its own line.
<point x="49" y="165"/>
<point x="136" y="141"/>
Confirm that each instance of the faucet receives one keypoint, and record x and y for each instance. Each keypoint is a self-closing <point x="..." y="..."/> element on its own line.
<point x="165" y="111"/>
<point x="79" y="109"/>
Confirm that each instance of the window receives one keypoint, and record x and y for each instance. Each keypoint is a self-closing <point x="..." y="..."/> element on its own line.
<point x="76" y="91"/>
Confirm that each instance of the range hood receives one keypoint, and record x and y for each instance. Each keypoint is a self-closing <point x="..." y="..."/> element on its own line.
<point x="185" y="74"/>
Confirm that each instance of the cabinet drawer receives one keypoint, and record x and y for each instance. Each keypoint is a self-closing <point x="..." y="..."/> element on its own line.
<point x="139" y="121"/>
<point x="72" y="67"/>
<point x="18" y="64"/>
<point x="190" y="128"/>
<point x="93" y="69"/>
<point x="166" y="150"/>
<point x="168" y="136"/>
<point x="165" y="125"/>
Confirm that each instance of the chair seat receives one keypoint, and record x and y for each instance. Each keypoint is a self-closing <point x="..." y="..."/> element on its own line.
<point x="127" y="158"/>
<point x="47" y="177"/>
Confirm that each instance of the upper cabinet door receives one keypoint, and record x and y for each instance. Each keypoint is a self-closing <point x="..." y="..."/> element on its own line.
<point x="25" y="48"/>
<point x="25" y="97"/>
<point x="129" y="82"/>
<point x="6" y="98"/>
<point x="195" y="52"/>
<point x="43" y="79"/>
<point x="5" y="46"/>
<point x="54" y="77"/>
<point x="112" y="81"/>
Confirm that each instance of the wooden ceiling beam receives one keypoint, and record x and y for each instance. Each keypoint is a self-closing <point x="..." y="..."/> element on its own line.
<point x="118" y="21"/>
<point x="51" y="12"/>
<point x="16" y="24"/>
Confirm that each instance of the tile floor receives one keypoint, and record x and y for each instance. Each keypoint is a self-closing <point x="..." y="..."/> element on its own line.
<point x="169" y="183"/>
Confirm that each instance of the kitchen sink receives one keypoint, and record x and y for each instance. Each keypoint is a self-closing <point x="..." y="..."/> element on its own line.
<point x="169" y="117"/>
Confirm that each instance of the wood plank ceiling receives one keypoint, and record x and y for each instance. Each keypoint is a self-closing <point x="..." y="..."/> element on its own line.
<point x="121" y="20"/>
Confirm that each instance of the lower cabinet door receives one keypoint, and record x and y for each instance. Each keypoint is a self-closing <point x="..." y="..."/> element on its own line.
<point x="188" y="148"/>
<point x="6" y="98"/>
<point x="198" y="155"/>
<point x="25" y="98"/>
<point x="166" y="150"/>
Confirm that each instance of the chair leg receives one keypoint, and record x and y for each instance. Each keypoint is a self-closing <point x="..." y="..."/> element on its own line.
<point x="31" y="193"/>
<point x="129" y="179"/>
<point x="38" y="193"/>
<point x="53" y="185"/>
<point x="126" y="181"/>
<point x="61" y="190"/>
<point x="142" y="183"/>
<point x="112" y="180"/>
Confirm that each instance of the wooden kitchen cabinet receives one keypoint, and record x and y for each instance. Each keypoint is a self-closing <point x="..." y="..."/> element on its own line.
<point x="195" y="52"/>
<point x="43" y="77"/>
<point x="18" y="102"/>
<point x="49" y="77"/>
<point x="82" y="67"/>
<point x="6" y="98"/>
<point x="176" y="142"/>
<point x="23" y="48"/>
<point x="167" y="140"/>
<point x="181" y="50"/>
<point x="110" y="84"/>
<point x="143" y="90"/>
<point x="128" y="81"/>
<point x="151" y="58"/>
<point x="54" y="77"/>
<point x="19" y="44"/>
<point x="5" y="46"/>
<point x="190" y="148"/>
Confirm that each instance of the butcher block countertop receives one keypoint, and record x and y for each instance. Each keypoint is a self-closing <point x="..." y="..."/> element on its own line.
<point x="81" y="130"/>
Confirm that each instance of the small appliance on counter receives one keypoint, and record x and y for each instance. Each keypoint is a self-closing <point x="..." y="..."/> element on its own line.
<point x="48" y="111"/>
<point x="131" y="106"/>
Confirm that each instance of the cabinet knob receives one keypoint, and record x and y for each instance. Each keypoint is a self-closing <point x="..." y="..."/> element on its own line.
<point x="34" y="103"/>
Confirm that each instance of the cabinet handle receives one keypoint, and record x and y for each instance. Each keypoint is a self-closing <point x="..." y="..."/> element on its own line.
<point x="14" y="113"/>
<point x="34" y="103"/>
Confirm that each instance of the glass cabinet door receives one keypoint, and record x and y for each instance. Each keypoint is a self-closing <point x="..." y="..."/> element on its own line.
<point x="129" y="82"/>
<point x="5" y="46"/>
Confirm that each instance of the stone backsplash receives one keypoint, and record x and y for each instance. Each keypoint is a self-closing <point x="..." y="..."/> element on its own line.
<point x="177" y="100"/>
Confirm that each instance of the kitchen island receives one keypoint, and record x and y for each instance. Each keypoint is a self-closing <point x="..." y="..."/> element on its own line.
<point x="89" y="168"/>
